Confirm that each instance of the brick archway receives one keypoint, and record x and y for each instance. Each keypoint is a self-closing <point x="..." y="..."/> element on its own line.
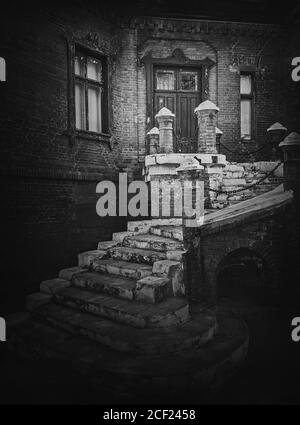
<point x="245" y="275"/>
<point x="260" y="237"/>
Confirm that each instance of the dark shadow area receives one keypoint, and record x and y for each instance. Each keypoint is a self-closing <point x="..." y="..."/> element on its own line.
<point x="242" y="279"/>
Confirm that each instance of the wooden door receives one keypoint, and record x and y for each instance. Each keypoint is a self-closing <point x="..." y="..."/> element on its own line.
<point x="178" y="89"/>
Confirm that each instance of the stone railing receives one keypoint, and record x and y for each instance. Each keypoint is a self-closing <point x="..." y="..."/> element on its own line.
<point x="223" y="181"/>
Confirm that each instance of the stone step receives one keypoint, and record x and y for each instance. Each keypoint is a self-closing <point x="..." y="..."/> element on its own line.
<point x="174" y="271"/>
<point x="69" y="272"/>
<point x="150" y="289"/>
<point x="136" y="255"/>
<point x="153" y="289"/>
<point x="119" y="236"/>
<point x="85" y="259"/>
<point x="146" y="256"/>
<point x="172" y="311"/>
<point x="105" y="245"/>
<point x="51" y="286"/>
<point x="194" y="333"/>
<point x="124" y="375"/>
<point x="121" y="268"/>
<point x="153" y="242"/>
<point x="116" y="286"/>
<point x="172" y="232"/>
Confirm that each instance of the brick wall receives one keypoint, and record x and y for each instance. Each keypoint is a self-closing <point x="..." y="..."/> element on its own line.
<point x="47" y="180"/>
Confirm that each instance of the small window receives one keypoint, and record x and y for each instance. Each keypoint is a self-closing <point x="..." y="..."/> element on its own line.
<point x="188" y="80"/>
<point x="90" y="93"/>
<point x="165" y="80"/>
<point x="246" y="91"/>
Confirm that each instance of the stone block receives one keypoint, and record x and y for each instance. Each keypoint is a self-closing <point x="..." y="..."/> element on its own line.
<point x="68" y="273"/>
<point x="234" y="168"/>
<point x="36" y="300"/>
<point x="265" y="166"/>
<point x="52" y="286"/>
<point x="222" y="197"/>
<point x="171" y="158"/>
<point x="174" y="271"/>
<point x="150" y="160"/>
<point x="122" y="268"/>
<point x="236" y="198"/>
<point x="118" y="237"/>
<point x="233" y="182"/>
<point x="176" y="255"/>
<point x="139" y="226"/>
<point x="152" y="289"/>
<point x="85" y="259"/>
<point x="104" y="245"/>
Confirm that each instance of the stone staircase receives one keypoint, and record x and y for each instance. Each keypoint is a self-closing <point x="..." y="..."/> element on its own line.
<point x="124" y="306"/>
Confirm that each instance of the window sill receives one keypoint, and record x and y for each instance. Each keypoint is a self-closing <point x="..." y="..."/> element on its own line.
<point x="90" y="135"/>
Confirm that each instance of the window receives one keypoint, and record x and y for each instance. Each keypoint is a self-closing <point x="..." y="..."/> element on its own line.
<point x="246" y="90"/>
<point x="90" y="93"/>
<point x="167" y="79"/>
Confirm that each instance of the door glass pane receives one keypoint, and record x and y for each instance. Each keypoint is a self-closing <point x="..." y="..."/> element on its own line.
<point x="94" y="69"/>
<point x="246" y="118"/>
<point x="80" y="107"/>
<point x="94" y="107"/>
<point x="246" y="84"/>
<point x="160" y="103"/>
<point x="188" y="80"/>
<point x="79" y="64"/>
<point x="165" y="80"/>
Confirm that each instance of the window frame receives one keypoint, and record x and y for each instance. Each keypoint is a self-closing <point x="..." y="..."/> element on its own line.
<point x="250" y="96"/>
<point x="73" y="46"/>
<point x="177" y="71"/>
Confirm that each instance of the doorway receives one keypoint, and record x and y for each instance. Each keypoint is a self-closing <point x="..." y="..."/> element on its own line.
<point x="179" y="90"/>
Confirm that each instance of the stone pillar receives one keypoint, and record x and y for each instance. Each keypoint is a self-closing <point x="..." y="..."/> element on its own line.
<point x="276" y="133"/>
<point x="153" y="136"/>
<point x="165" y="119"/>
<point x="218" y="139"/>
<point x="291" y="156"/>
<point x="206" y="114"/>
<point x="192" y="172"/>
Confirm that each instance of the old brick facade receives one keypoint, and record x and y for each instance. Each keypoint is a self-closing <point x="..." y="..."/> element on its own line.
<point x="50" y="172"/>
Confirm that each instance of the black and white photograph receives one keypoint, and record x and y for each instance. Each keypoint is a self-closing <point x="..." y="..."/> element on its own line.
<point x="150" y="214"/>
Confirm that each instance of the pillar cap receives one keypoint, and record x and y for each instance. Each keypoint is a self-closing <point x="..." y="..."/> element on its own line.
<point x="164" y="112"/>
<point x="153" y="130"/>
<point x="206" y="105"/>
<point x="218" y="131"/>
<point x="276" y="126"/>
<point x="293" y="139"/>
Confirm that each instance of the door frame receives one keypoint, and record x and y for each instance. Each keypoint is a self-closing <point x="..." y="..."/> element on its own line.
<point x="177" y="59"/>
<point x="176" y="92"/>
